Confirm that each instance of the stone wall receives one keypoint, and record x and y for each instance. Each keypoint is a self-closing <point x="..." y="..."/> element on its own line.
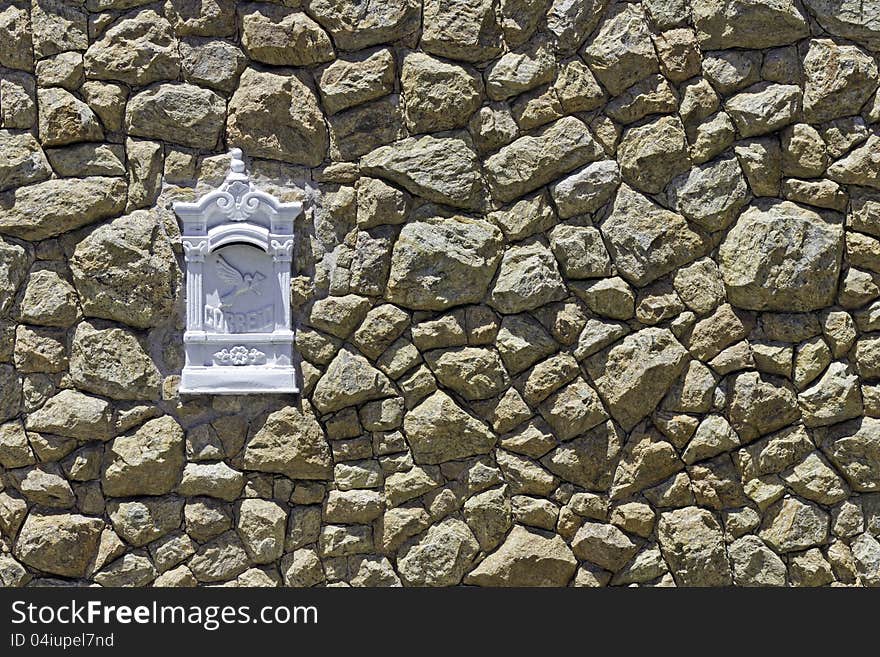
<point x="586" y="292"/>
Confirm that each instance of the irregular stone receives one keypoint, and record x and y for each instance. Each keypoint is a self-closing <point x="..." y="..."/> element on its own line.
<point x="604" y="545"/>
<point x="442" y="262"/>
<point x="516" y="72"/>
<point x="23" y="160"/>
<point x="650" y="155"/>
<point x="178" y="112"/>
<point x="527" y="558"/>
<point x="461" y="30"/>
<point x="289" y="442"/>
<point x="836" y="397"/>
<point x="754" y="564"/>
<point x="792" y="525"/>
<point x="472" y="372"/>
<point x="126" y="271"/>
<point x="535" y="160"/>
<point x="302" y="568"/>
<point x="294" y="131"/>
<point x="441" y="557"/>
<point x="714" y="436"/>
<point x="349" y="82"/>
<point x="635" y="220"/>
<point x="49" y="208"/>
<point x="60" y="544"/>
<point x="439" y="96"/>
<point x="527" y="278"/>
<point x="572" y="22"/>
<point x="849" y="19"/>
<point x="140" y="522"/>
<point x="743" y="24"/>
<point x="440" y="169"/>
<point x="358" y="131"/>
<point x="220" y="559"/>
<point x="761" y="161"/>
<point x="146" y="462"/>
<point x="587" y="189"/>
<point x="693" y="546"/>
<point x="859" y="167"/>
<point x="646" y="459"/>
<point x="678" y="53"/>
<point x="767" y="265"/>
<point x="711" y="194"/>
<point x="764" y="107"/>
<point x="350" y="380"/>
<point x="261" y="528"/>
<point x="866" y="558"/>
<point x="138" y="49"/>
<point x="73" y="414"/>
<point x="64" y="119"/>
<point x="522" y="341"/>
<point x="283" y="37"/>
<point x="621" y="53"/>
<point x="112" y="362"/>
<point x="201" y="17"/>
<point x="212" y="480"/>
<point x="653" y="95"/>
<point x="633" y="376"/>
<point x="854" y="448"/>
<point x="213" y="63"/>
<point x="815" y="480"/>
<point x="839" y="80"/>
<point x="573" y="409"/>
<point x="17" y="35"/>
<point x="584" y="460"/>
<point x="439" y="430"/>
<point x="360" y="24"/>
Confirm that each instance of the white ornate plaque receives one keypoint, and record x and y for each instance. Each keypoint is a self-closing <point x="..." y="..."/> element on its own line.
<point x="238" y="245"/>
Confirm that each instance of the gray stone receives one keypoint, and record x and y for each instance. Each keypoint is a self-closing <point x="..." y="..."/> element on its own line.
<point x="587" y="189"/>
<point x="850" y="19"/>
<point x="360" y="24"/>
<point x="64" y="119"/>
<point x="743" y="24"/>
<point x="138" y="49"/>
<point x="438" y="95"/>
<point x="527" y="558"/>
<point x="781" y="256"/>
<point x="126" y="271"/>
<point x="62" y="544"/>
<point x="178" y="112"/>
<point x="754" y="564"/>
<point x="441" y="557"/>
<point x="73" y="414"/>
<point x="527" y="279"/>
<point x="854" y="448"/>
<point x="440" y="169"/>
<point x="622" y="53"/>
<point x="633" y="376"/>
<point x="350" y="380"/>
<point x="535" y="160"/>
<point x="283" y="37"/>
<point x="792" y="525"/>
<point x="442" y="262"/>
<point x="692" y="543"/>
<point x="650" y="155"/>
<point x="458" y="29"/>
<point x="289" y="442"/>
<point x="439" y="430"/>
<point x="52" y="207"/>
<point x="277" y="116"/>
<point x="711" y="195"/>
<point x="112" y="362"/>
<point x="352" y="81"/>
<point x="145" y="462"/>
<point x="140" y="522"/>
<point x="636" y="220"/>
<point x="23" y="161"/>
<point x="764" y="107"/>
